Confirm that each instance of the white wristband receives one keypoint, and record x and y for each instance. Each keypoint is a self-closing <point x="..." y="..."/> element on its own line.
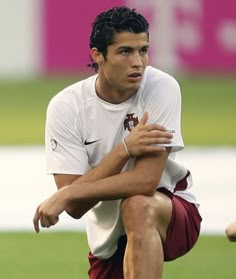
<point x="126" y="148"/>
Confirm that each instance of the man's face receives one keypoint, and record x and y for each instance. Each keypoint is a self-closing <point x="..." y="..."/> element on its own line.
<point x="126" y="60"/>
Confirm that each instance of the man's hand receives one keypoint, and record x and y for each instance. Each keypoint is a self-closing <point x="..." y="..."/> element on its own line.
<point x="144" y="137"/>
<point x="47" y="213"/>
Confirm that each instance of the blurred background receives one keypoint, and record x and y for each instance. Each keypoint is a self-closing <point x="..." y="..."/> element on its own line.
<point x="44" y="46"/>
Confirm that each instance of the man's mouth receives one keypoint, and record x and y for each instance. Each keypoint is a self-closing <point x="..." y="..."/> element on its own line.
<point x="135" y="76"/>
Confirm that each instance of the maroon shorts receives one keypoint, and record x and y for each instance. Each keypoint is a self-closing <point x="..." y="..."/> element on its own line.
<point x="182" y="234"/>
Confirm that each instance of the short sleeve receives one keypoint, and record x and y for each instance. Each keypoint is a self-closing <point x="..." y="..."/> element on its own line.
<point x="165" y="108"/>
<point x="65" y="152"/>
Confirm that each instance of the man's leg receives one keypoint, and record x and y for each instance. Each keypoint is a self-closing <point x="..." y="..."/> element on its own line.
<point x="146" y="220"/>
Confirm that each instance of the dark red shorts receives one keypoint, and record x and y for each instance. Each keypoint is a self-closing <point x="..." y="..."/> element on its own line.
<point x="182" y="234"/>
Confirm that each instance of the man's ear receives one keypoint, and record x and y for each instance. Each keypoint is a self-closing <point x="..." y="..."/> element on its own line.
<point x="96" y="55"/>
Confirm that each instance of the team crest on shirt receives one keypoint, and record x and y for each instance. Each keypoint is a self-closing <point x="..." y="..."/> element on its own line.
<point x="130" y="121"/>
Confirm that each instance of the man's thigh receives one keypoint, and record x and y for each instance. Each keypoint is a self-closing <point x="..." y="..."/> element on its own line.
<point x="183" y="230"/>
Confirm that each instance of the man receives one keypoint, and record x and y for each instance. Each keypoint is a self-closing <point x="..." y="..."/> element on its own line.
<point x="110" y="163"/>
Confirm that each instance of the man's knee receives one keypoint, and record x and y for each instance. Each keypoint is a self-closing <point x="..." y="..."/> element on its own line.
<point x="140" y="204"/>
<point x="134" y="205"/>
<point x="137" y="212"/>
<point x="140" y="213"/>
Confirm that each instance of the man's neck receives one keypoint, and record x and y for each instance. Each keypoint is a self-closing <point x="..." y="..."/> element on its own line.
<point x="112" y="95"/>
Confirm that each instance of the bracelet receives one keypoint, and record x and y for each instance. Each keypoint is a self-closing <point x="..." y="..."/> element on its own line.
<point x="126" y="148"/>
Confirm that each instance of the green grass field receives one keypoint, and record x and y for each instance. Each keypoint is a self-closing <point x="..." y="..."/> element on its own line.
<point x="208" y="112"/>
<point x="63" y="255"/>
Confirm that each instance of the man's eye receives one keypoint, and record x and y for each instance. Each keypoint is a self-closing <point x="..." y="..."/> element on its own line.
<point x="144" y="51"/>
<point x="125" y="51"/>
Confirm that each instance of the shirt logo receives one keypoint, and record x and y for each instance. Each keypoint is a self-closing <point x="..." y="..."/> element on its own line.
<point x="90" y="142"/>
<point x="171" y="131"/>
<point x="130" y="122"/>
<point x="53" y="144"/>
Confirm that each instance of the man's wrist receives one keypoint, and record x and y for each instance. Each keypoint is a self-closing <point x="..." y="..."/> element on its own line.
<point x="126" y="149"/>
<point x="122" y="151"/>
<point x="66" y="195"/>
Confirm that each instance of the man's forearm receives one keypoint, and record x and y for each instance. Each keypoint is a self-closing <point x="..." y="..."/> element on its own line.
<point x="112" y="164"/>
<point x="142" y="180"/>
<point x="141" y="141"/>
<point x="113" y="187"/>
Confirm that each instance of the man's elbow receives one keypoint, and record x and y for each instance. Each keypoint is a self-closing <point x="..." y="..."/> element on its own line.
<point x="150" y="186"/>
<point x="73" y="213"/>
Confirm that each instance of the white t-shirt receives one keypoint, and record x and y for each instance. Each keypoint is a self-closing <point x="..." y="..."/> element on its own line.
<point x="81" y="129"/>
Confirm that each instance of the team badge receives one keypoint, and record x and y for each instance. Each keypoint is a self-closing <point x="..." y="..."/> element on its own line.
<point x="130" y="122"/>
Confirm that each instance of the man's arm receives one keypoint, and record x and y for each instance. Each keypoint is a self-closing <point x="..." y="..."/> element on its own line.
<point x="139" y="141"/>
<point x="110" y="165"/>
<point x="142" y="180"/>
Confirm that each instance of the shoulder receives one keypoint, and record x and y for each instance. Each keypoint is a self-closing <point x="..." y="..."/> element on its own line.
<point x="73" y="96"/>
<point x="159" y="85"/>
<point x="157" y="78"/>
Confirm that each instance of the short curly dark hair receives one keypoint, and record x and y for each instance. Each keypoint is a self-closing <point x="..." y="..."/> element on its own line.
<point x="113" y="21"/>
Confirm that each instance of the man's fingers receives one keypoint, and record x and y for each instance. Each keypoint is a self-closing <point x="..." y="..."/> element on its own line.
<point x="158" y="135"/>
<point x="52" y="221"/>
<point x="55" y="220"/>
<point x="45" y="221"/>
<point x="144" y="119"/>
<point x="151" y="141"/>
<point x="160" y="140"/>
<point x="153" y="127"/>
<point x="154" y="148"/>
<point x="48" y="220"/>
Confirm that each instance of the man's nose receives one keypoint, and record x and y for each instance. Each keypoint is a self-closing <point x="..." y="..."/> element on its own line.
<point x="137" y="60"/>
